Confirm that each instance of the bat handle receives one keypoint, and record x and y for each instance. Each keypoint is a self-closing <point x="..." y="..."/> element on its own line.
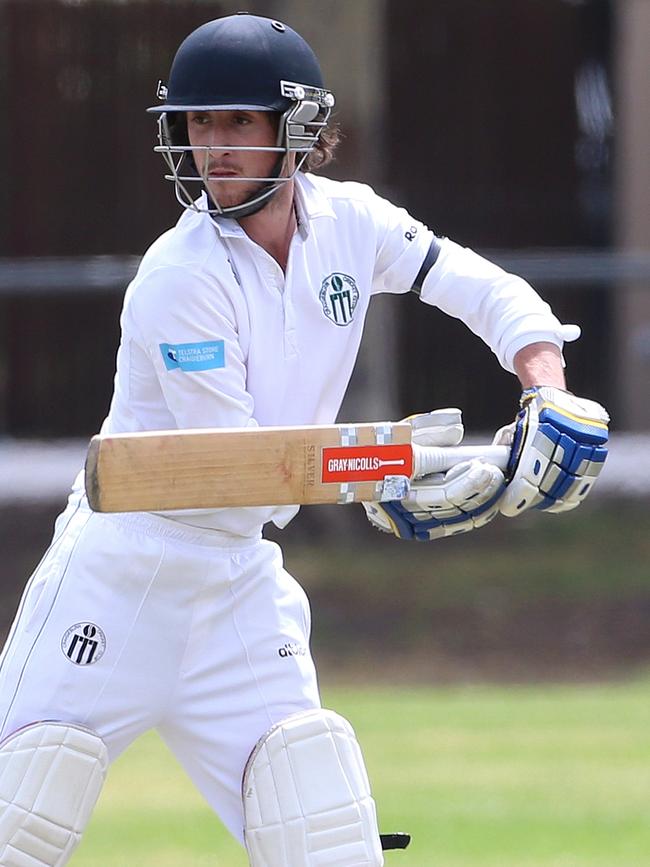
<point x="439" y="459"/>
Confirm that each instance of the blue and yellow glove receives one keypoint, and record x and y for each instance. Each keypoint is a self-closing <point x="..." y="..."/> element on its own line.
<point x="558" y="448"/>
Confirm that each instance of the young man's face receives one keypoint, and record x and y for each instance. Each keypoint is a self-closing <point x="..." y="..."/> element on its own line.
<point x="228" y="129"/>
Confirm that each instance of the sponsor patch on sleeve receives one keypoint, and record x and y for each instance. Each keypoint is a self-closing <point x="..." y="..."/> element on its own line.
<point x="209" y="355"/>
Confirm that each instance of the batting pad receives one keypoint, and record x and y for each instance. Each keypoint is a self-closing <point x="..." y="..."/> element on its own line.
<point x="307" y="800"/>
<point x="51" y="775"/>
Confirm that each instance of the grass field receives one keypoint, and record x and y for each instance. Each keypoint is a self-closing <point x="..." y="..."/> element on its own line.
<point x="543" y="776"/>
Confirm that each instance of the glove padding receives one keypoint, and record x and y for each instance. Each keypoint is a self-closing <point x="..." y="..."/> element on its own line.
<point x="558" y="444"/>
<point x="442" y="504"/>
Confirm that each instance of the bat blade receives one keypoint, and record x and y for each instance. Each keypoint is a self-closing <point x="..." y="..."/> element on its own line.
<point x="227" y="467"/>
<point x="156" y="471"/>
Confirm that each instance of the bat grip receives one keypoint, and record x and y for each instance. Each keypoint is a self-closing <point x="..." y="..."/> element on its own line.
<point x="439" y="459"/>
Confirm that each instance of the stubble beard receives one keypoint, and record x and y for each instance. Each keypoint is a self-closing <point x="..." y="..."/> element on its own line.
<point x="231" y="194"/>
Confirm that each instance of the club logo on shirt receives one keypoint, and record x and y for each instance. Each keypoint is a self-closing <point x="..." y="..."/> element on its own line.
<point x="339" y="296"/>
<point x="84" y="643"/>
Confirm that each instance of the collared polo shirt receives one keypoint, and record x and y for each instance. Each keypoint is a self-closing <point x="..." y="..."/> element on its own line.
<point x="215" y="334"/>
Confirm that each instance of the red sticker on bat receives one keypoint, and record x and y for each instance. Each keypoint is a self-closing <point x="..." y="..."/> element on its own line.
<point x="366" y="463"/>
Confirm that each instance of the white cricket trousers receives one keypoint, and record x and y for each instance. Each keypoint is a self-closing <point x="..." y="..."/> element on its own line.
<point x="132" y="622"/>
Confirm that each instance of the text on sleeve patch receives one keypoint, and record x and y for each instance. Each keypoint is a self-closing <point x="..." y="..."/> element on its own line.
<point x="208" y="355"/>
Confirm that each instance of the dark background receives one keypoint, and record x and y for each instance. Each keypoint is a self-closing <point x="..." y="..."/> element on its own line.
<point x="480" y="137"/>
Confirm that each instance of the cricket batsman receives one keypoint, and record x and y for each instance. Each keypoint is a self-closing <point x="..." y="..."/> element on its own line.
<point x="240" y="315"/>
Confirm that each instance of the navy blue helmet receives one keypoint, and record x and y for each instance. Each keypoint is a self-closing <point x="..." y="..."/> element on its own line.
<point x="242" y="62"/>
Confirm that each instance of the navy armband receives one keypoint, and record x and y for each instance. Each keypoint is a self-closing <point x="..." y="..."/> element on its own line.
<point x="429" y="261"/>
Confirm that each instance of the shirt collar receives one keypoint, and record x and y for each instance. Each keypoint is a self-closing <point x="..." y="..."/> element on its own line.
<point x="310" y="203"/>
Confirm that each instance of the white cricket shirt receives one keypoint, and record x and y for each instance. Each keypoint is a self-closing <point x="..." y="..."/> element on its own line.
<point x="214" y="334"/>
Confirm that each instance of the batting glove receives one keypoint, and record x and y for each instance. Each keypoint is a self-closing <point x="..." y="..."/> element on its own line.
<point x="442" y="504"/>
<point x="558" y="448"/>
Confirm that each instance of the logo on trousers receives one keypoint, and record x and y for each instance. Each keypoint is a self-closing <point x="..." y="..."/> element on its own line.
<point x="84" y="643"/>
<point x="292" y="649"/>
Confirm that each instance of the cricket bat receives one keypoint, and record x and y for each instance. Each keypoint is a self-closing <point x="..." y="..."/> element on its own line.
<point x="156" y="471"/>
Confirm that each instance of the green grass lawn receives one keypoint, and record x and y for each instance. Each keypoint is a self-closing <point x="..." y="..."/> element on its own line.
<point x="543" y="776"/>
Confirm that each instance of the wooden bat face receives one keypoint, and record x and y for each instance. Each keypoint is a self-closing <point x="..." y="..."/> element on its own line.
<point x="156" y="471"/>
<point x="196" y="469"/>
